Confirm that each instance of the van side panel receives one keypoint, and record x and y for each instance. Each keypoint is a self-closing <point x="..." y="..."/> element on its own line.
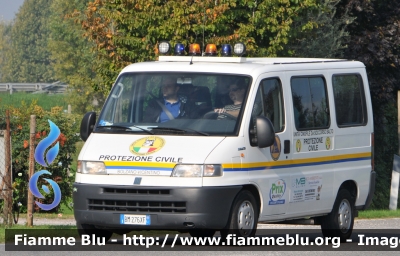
<point x="354" y="139"/>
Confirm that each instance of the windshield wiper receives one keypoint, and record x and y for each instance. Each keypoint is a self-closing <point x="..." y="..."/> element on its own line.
<point x="179" y="130"/>
<point x="125" y="128"/>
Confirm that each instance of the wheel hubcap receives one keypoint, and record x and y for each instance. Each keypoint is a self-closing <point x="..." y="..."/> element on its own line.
<point x="344" y="215"/>
<point x="245" y="218"/>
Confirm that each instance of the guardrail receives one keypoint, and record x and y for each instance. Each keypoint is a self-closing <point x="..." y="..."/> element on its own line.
<point x="56" y="87"/>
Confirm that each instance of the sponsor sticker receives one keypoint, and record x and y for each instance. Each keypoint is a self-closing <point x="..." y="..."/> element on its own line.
<point x="306" y="188"/>
<point x="277" y="192"/>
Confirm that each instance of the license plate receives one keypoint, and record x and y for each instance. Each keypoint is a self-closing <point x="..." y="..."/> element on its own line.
<point x="130" y="219"/>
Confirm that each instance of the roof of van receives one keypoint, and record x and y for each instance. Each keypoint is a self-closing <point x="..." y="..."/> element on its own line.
<point x="238" y="65"/>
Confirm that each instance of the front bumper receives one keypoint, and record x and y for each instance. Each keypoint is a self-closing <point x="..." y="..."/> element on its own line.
<point x="170" y="208"/>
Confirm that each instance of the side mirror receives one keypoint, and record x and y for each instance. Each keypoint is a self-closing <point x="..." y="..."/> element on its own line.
<point x="87" y="125"/>
<point x="265" y="132"/>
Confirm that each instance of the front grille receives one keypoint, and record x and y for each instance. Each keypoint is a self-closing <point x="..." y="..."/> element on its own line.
<point x="137" y="191"/>
<point x="136" y="206"/>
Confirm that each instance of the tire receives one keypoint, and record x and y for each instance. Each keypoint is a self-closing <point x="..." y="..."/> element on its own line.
<point x="339" y="223"/>
<point x="86" y="229"/>
<point x="243" y="217"/>
<point x="202" y="232"/>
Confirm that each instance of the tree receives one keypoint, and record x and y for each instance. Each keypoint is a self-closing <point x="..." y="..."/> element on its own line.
<point x="5" y="31"/>
<point x="127" y="31"/>
<point x="375" y="40"/>
<point x="72" y="58"/>
<point x="325" y="40"/>
<point x="30" y="60"/>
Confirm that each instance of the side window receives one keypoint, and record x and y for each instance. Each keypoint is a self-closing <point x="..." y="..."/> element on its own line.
<point x="310" y="103"/>
<point x="349" y="100"/>
<point x="269" y="103"/>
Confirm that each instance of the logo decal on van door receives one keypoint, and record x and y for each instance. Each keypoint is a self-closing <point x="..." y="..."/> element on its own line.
<point x="298" y="145"/>
<point x="328" y="143"/>
<point x="276" y="149"/>
<point x="147" y="145"/>
<point x="277" y="192"/>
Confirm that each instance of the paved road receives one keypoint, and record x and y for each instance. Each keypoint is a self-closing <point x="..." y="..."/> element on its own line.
<point x="376" y="227"/>
<point x="358" y="224"/>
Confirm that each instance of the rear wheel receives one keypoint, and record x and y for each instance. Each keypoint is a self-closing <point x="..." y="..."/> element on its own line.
<point x="86" y="229"/>
<point x="244" y="216"/>
<point x="339" y="223"/>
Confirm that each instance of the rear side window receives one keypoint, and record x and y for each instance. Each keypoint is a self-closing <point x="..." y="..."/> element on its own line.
<point x="349" y="100"/>
<point x="310" y="103"/>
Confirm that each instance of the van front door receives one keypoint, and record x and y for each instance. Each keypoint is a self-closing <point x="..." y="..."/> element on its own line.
<point x="267" y="165"/>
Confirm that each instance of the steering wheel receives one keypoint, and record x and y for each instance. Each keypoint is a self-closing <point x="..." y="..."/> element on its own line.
<point x="214" y="115"/>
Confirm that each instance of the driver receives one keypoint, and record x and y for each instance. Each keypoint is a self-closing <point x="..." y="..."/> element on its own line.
<point x="237" y="91"/>
<point x="171" y="106"/>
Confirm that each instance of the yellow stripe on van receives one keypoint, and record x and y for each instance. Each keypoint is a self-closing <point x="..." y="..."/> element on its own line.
<point x="297" y="162"/>
<point x="141" y="164"/>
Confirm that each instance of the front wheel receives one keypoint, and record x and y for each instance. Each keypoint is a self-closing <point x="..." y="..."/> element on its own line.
<point x="243" y="217"/>
<point x="339" y="223"/>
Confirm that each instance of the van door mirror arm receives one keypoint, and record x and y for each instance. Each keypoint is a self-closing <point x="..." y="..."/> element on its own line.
<point x="265" y="132"/>
<point x="87" y="125"/>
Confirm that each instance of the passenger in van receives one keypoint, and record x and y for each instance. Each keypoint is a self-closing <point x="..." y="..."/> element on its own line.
<point x="171" y="106"/>
<point x="237" y="91"/>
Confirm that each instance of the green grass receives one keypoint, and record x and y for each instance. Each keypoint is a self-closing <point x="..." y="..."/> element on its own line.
<point x="46" y="101"/>
<point x="378" y="214"/>
<point x="65" y="215"/>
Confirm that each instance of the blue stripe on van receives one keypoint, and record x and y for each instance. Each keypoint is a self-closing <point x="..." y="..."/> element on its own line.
<point x="139" y="168"/>
<point x="259" y="168"/>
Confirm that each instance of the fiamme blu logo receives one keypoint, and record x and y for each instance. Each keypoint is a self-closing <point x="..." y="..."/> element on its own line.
<point x="40" y="159"/>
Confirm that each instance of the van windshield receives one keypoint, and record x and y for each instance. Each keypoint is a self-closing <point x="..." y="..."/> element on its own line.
<point x="195" y="104"/>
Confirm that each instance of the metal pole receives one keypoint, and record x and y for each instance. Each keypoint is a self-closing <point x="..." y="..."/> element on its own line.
<point x="8" y="198"/>
<point x="398" y="120"/>
<point x="394" y="189"/>
<point x="29" y="216"/>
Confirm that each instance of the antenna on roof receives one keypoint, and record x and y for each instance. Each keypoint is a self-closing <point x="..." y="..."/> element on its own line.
<point x="204" y="23"/>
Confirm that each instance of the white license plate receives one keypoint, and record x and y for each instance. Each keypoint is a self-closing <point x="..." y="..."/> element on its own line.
<point x="131" y="219"/>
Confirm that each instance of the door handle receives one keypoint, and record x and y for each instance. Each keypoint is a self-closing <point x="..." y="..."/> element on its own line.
<point x="286" y="147"/>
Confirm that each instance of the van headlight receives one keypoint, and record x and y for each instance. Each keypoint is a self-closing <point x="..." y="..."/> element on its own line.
<point x="197" y="170"/>
<point x="87" y="167"/>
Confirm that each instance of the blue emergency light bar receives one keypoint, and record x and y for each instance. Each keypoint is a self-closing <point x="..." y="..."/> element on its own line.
<point x="179" y="50"/>
<point x="226" y="50"/>
<point x="211" y="50"/>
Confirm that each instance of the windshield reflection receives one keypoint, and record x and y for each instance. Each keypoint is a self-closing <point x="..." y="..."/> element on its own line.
<point x="175" y="103"/>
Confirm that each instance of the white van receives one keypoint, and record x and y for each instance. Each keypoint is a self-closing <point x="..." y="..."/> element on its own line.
<point x="243" y="140"/>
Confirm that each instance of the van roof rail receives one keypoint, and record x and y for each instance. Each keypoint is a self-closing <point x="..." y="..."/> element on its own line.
<point x="311" y="61"/>
<point x="261" y="60"/>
